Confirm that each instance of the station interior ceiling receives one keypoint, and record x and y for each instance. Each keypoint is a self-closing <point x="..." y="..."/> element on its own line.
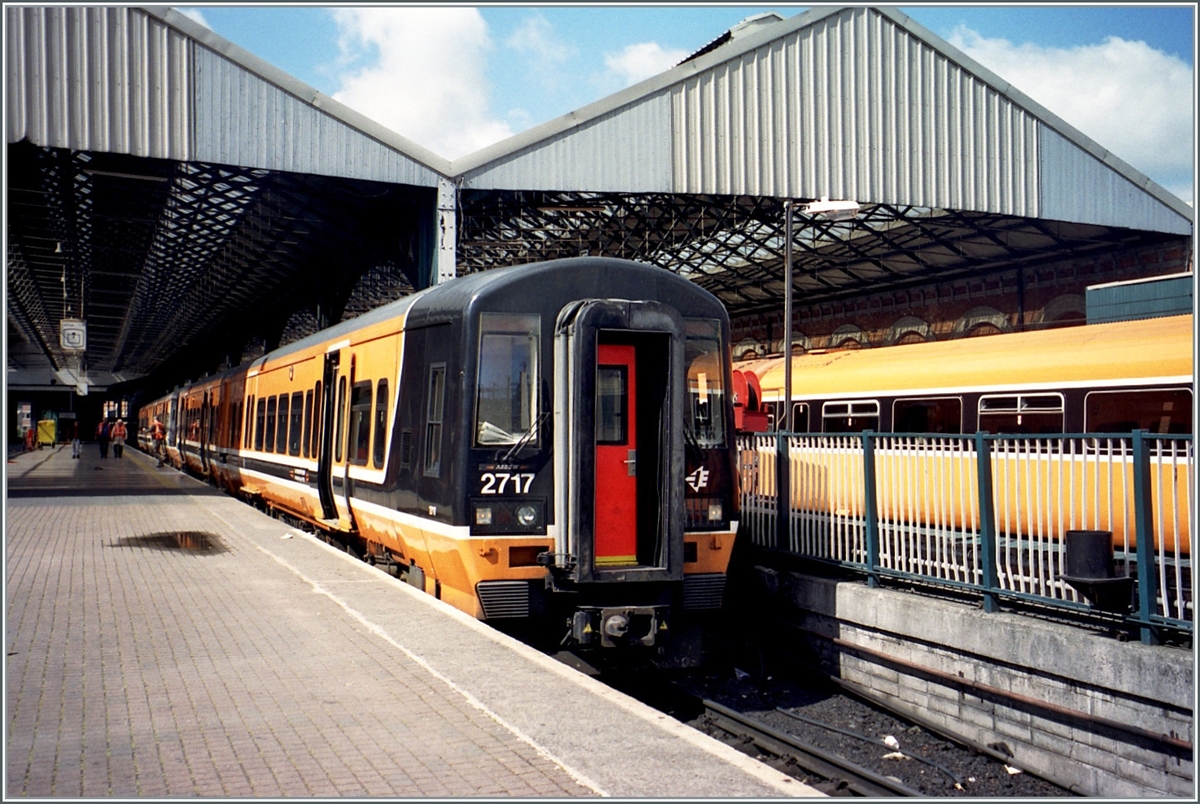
<point x="179" y="268"/>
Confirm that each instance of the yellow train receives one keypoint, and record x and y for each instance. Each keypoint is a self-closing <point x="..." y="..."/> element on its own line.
<point x="1086" y="384"/>
<point x="549" y="440"/>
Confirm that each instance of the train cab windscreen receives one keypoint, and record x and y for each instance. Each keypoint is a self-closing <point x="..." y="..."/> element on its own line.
<point x="705" y="382"/>
<point x="506" y="405"/>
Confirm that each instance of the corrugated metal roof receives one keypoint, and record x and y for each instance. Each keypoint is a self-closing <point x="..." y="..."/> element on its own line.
<point x="105" y="79"/>
<point x="1078" y="186"/>
<point x="852" y="106"/>
<point x="624" y="150"/>
<point x="151" y="82"/>
<point x="821" y="105"/>
<point x="244" y="120"/>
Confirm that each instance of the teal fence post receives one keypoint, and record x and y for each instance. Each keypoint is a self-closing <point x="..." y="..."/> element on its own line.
<point x="987" y="524"/>
<point x="1143" y="519"/>
<point x="872" y="508"/>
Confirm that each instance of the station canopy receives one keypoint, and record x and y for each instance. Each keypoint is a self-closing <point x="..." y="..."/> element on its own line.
<point x="188" y="243"/>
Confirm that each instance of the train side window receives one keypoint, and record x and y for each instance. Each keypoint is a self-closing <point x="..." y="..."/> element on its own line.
<point x="360" y="423"/>
<point x="1034" y="414"/>
<point x="260" y="420"/>
<point x="272" y="407"/>
<point x="308" y="419"/>
<point x="939" y="415"/>
<point x="434" y="408"/>
<point x="297" y="420"/>
<point x="381" y="414"/>
<point x="705" y="382"/>
<point x="281" y="434"/>
<point x="506" y="402"/>
<point x="799" y="417"/>
<point x="249" y="429"/>
<point x="849" y="417"/>
<point x="1161" y="411"/>
<point x="318" y="419"/>
<point x="339" y="429"/>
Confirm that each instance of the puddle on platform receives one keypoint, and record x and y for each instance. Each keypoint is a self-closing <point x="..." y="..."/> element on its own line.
<point x="189" y="541"/>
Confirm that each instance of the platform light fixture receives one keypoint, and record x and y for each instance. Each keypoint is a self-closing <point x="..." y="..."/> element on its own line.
<point x="825" y="209"/>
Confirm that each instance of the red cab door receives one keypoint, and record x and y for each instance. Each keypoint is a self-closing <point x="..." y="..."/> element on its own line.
<point x="616" y="456"/>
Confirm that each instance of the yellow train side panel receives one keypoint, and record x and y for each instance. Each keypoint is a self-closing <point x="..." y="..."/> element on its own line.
<point x="1035" y="495"/>
<point x="1091" y="354"/>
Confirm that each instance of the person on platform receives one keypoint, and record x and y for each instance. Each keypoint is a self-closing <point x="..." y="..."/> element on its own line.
<point x="76" y="441"/>
<point x="158" y="434"/>
<point x="119" y="434"/>
<point x="103" y="433"/>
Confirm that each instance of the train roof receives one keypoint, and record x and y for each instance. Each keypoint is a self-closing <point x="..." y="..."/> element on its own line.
<point x="557" y="282"/>
<point x="585" y="276"/>
<point x="1158" y="350"/>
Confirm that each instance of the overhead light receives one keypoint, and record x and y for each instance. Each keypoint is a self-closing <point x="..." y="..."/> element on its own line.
<point x="58" y="248"/>
<point x="831" y="210"/>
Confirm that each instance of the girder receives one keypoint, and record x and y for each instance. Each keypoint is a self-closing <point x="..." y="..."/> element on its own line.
<point x="172" y="264"/>
<point x="734" y="245"/>
<point x="181" y="267"/>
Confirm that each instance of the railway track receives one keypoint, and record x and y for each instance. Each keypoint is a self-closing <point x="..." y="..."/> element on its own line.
<point x="839" y="775"/>
<point x="807" y="727"/>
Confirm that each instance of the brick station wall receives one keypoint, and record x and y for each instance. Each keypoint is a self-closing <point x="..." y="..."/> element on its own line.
<point x="912" y="651"/>
<point x="1053" y="294"/>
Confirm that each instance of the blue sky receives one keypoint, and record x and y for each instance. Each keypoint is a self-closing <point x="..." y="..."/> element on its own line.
<point x="455" y="78"/>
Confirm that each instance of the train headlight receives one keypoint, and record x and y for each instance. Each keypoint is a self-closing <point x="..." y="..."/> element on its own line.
<point x="491" y="516"/>
<point x="526" y="515"/>
<point x="715" y="512"/>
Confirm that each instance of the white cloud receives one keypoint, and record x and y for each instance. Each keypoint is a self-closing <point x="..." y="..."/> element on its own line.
<point x="641" y="61"/>
<point x="421" y="72"/>
<point x="195" y="15"/>
<point x="542" y="59"/>
<point x="535" y="38"/>
<point x="1134" y="101"/>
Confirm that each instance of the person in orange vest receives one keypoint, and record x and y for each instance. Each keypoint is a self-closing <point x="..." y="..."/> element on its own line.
<point x="119" y="434"/>
<point x="158" y="434"/>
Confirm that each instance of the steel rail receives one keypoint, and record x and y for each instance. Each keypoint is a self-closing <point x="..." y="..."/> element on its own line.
<point x="859" y="781"/>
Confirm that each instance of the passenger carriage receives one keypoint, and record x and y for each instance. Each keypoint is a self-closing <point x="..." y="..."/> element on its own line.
<point x="550" y="439"/>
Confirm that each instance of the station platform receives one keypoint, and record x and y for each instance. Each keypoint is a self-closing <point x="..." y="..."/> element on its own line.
<point x="164" y="639"/>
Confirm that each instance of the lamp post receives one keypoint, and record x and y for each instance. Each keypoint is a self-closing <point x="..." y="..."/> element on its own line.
<point x="825" y="209"/>
<point x="787" y="316"/>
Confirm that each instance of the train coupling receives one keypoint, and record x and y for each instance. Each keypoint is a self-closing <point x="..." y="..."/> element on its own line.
<point x="619" y="626"/>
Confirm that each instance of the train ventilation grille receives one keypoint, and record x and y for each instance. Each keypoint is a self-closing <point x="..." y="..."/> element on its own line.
<point x="504" y="598"/>
<point x="703" y="591"/>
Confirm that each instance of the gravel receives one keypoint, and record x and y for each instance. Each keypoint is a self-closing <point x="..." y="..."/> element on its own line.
<point x="868" y="736"/>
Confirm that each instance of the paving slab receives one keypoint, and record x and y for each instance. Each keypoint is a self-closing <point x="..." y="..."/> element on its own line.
<point x="164" y="639"/>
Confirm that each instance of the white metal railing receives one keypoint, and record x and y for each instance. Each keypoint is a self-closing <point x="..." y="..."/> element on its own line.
<point x="915" y="509"/>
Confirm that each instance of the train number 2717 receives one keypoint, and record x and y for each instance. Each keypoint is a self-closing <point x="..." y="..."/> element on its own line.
<point x="497" y="482"/>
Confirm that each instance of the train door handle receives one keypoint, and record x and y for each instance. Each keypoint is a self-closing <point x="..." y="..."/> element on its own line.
<point x="631" y="463"/>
